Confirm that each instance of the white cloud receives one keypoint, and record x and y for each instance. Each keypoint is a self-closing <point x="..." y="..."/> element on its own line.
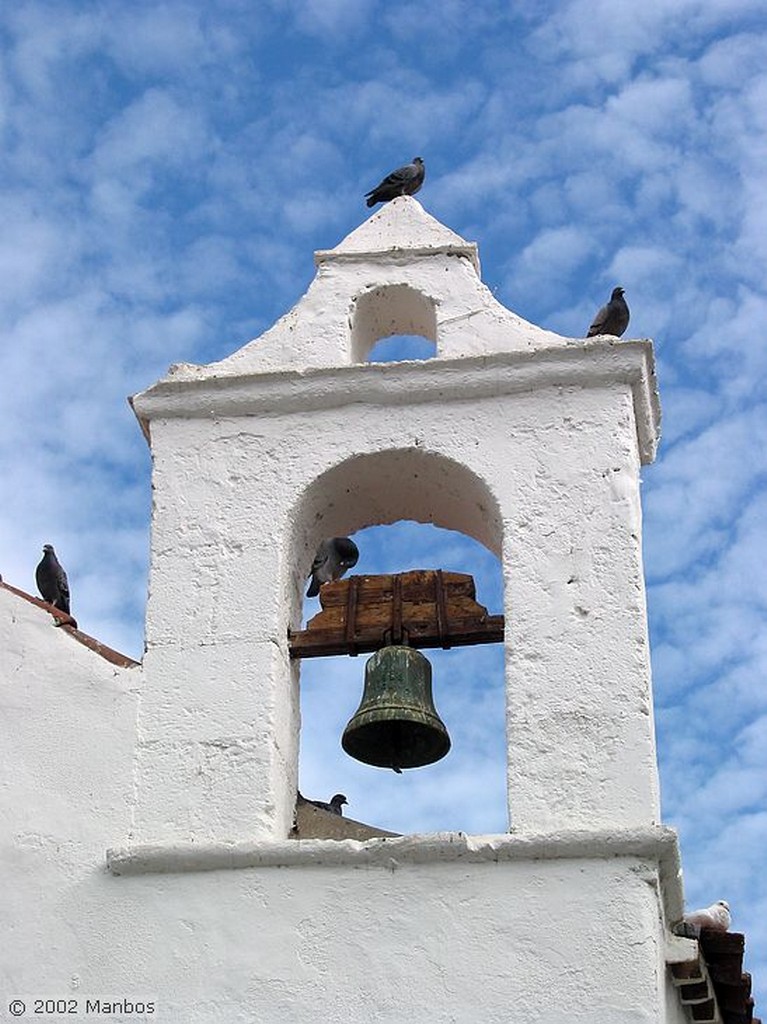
<point x="554" y="257"/>
<point x="162" y="38"/>
<point x="154" y="130"/>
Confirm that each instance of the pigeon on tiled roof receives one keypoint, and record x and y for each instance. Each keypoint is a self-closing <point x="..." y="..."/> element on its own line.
<point x="52" y="580"/>
<point x="405" y="181"/>
<point x="334" y="806"/>
<point x="715" y="918"/>
<point x="612" y="318"/>
<point x="333" y="558"/>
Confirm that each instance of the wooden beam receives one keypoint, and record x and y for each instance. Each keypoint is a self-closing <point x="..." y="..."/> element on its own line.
<point x="422" y="608"/>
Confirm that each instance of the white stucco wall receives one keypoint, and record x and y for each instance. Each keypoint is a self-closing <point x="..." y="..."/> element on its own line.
<point x="501" y="943"/>
<point x="68" y="720"/>
<point x="399" y="247"/>
<point x="415" y="934"/>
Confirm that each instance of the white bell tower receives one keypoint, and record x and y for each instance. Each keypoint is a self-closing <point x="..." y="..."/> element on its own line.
<point x="529" y="442"/>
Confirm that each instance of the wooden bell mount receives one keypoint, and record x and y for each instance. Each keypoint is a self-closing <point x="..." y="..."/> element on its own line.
<point x="423" y="608"/>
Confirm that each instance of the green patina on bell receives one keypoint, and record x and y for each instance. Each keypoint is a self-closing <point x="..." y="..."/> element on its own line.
<point x="396" y="725"/>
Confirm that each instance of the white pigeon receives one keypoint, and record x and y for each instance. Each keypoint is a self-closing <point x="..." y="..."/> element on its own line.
<point x="715" y="918"/>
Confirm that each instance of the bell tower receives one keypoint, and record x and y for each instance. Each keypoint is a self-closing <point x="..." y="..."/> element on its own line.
<point x="527" y="441"/>
<point x="532" y="444"/>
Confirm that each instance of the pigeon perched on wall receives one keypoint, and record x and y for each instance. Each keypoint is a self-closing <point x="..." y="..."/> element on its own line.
<point x="613" y="318"/>
<point x="715" y="918"/>
<point x="334" y="806"/>
<point x="52" y="580"/>
<point x="333" y="558"/>
<point x="405" y="181"/>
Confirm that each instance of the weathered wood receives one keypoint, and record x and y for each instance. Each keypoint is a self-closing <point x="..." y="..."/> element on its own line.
<point x="423" y="608"/>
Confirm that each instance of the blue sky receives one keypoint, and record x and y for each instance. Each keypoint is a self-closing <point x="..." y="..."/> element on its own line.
<point x="168" y="170"/>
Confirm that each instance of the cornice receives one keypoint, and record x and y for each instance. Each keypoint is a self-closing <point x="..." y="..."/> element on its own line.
<point x="592" y="364"/>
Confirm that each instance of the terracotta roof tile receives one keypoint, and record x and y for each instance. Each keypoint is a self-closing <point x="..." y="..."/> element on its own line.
<point x="714" y="986"/>
<point x="69" y="625"/>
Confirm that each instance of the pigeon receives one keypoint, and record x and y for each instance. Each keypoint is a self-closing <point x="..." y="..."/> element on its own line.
<point x="715" y="918"/>
<point x="52" y="580"/>
<point x="612" y="318"/>
<point x="333" y="558"/>
<point x="405" y="181"/>
<point x="334" y="806"/>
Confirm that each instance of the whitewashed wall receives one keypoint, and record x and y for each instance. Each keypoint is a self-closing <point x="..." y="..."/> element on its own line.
<point x="528" y="940"/>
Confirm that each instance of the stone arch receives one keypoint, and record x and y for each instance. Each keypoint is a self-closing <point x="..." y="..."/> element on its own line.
<point x="384" y="487"/>
<point x="390" y="309"/>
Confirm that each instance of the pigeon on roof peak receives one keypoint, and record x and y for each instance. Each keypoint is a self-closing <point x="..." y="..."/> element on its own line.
<point x="715" y="918"/>
<point x="613" y="317"/>
<point x="52" y="581"/>
<point x="405" y="181"/>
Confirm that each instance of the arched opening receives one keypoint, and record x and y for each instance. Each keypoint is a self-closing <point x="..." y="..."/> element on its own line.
<point x="399" y="347"/>
<point x="381" y="488"/>
<point x="393" y="310"/>
<point x="409" y="509"/>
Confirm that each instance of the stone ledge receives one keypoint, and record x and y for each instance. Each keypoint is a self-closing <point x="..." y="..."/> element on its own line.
<point x="397" y="253"/>
<point x="655" y="843"/>
<point x="598" y="362"/>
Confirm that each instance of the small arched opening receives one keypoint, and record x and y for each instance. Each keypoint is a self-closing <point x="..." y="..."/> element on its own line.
<point x="393" y="311"/>
<point x="410" y="509"/>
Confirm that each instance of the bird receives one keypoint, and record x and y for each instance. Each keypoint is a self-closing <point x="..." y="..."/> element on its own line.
<point x="333" y="558"/>
<point x="612" y="318"/>
<point x="52" y="580"/>
<point x="405" y="181"/>
<point x="715" y="918"/>
<point x="334" y="806"/>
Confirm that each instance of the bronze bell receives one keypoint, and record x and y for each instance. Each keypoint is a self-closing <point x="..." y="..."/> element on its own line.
<point x="396" y="725"/>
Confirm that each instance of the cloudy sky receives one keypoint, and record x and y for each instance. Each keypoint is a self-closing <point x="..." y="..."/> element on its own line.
<point x="168" y="170"/>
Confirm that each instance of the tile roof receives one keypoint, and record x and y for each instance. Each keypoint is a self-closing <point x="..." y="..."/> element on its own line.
<point x="69" y="625"/>
<point x="713" y="985"/>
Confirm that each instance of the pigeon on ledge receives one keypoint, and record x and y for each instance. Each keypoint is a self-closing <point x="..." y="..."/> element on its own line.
<point x="52" y="580"/>
<point x="333" y="558"/>
<point x="405" y="181"/>
<point x="334" y="806"/>
<point x="613" y="318"/>
<point x="715" y="918"/>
